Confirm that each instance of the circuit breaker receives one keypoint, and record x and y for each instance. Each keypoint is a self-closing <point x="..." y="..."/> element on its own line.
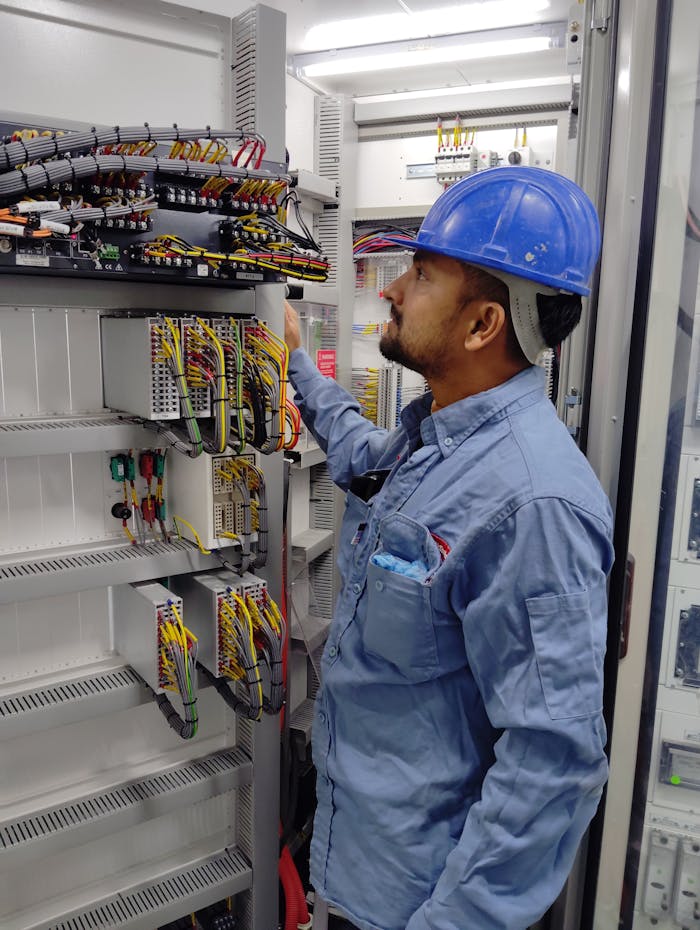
<point x="660" y="874"/>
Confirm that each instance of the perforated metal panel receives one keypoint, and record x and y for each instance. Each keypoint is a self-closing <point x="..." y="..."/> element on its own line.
<point x="161" y="901"/>
<point x="243" y="71"/>
<point x="87" y="817"/>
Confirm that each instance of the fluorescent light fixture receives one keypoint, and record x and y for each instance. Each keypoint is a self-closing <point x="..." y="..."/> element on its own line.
<point x="425" y="55"/>
<point x="393" y="27"/>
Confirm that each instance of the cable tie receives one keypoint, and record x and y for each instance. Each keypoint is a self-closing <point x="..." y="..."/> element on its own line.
<point x="22" y="171"/>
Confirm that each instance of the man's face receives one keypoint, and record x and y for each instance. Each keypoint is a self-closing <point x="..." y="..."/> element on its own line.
<point x="426" y="308"/>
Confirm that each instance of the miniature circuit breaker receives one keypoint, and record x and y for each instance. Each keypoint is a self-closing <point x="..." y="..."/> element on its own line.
<point x="203" y="492"/>
<point x="136" y="377"/>
<point x="660" y="874"/>
<point x="203" y="596"/>
<point x="140" y="610"/>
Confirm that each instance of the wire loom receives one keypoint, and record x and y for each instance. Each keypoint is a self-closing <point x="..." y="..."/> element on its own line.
<point x="36" y="166"/>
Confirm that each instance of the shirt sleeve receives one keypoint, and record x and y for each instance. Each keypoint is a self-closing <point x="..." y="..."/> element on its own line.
<point x="534" y="617"/>
<point x="351" y="443"/>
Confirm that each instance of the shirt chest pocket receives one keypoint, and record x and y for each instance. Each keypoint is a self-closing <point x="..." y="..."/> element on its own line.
<point x="398" y="625"/>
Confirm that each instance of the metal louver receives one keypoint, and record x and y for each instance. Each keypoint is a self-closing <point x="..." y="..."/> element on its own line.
<point x="163" y="900"/>
<point x="91" y="816"/>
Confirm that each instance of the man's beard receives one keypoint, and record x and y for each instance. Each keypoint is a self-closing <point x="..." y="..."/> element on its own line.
<point x="393" y="351"/>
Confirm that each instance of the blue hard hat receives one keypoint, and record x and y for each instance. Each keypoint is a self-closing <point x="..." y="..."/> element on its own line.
<point x="528" y="222"/>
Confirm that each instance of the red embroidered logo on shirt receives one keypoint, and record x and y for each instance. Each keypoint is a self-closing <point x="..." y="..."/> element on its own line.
<point x="442" y="546"/>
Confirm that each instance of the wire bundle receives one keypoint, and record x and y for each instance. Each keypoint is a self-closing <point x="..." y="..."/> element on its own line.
<point x="270" y="634"/>
<point x="376" y="240"/>
<point x="229" y="335"/>
<point x="234" y="472"/>
<point x="171" y="353"/>
<point x="206" y="369"/>
<point x="33" y="146"/>
<point x="364" y="387"/>
<point x="266" y="359"/>
<point x="283" y="259"/>
<point x="239" y="658"/>
<point x="176" y="670"/>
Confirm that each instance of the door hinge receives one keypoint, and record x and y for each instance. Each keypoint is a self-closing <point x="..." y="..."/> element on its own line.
<point x="572" y="403"/>
<point x="600" y="17"/>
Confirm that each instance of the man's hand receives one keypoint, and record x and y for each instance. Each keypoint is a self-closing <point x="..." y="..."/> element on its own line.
<point x="292" y="336"/>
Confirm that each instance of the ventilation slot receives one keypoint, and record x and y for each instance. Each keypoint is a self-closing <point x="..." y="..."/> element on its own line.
<point x="69" y="692"/>
<point x="198" y="886"/>
<point x="84" y="812"/>
<point x="243" y="74"/>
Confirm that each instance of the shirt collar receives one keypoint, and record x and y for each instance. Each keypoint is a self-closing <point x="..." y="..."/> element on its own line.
<point x="450" y="426"/>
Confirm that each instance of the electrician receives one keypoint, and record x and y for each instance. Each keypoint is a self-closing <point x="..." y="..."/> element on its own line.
<point x="458" y="734"/>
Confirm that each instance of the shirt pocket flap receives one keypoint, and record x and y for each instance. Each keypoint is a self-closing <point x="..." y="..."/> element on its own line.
<point x="569" y="668"/>
<point x="409" y="540"/>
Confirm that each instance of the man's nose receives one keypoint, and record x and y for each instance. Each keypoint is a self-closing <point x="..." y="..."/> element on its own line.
<point x="394" y="291"/>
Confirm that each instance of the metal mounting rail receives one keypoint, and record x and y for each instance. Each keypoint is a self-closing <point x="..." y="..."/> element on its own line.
<point x="83" y="569"/>
<point x="144" y="905"/>
<point x="117" y="807"/>
<point x="29" y="707"/>
<point x="34" y="436"/>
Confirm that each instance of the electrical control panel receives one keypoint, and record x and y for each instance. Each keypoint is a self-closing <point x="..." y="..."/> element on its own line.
<point x="146" y="204"/>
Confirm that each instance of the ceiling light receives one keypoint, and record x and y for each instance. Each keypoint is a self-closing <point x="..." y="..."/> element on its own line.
<point x="468" y="17"/>
<point x="424" y="55"/>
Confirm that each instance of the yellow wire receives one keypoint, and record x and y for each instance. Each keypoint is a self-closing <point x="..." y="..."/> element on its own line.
<point x="197" y="539"/>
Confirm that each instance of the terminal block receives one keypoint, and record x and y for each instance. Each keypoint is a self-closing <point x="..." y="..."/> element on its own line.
<point x="660" y="874"/>
<point x="201" y="493"/>
<point x="686" y="898"/>
<point x="203" y="596"/>
<point x="136" y="377"/>
<point x="140" y="610"/>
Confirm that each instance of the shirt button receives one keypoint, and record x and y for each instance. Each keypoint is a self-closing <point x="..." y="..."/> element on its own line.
<point x="332" y="652"/>
<point x="379" y="585"/>
<point x="448" y="440"/>
<point x="322" y="717"/>
<point x="356" y="588"/>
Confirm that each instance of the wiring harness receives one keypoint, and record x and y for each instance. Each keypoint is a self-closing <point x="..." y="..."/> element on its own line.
<point x="176" y="670"/>
<point x="375" y="240"/>
<point x="252" y="634"/>
<point x="231" y="380"/>
<point x="58" y="182"/>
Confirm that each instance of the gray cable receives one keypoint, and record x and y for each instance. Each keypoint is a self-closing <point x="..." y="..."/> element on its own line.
<point x="17" y="153"/>
<point x="22" y="180"/>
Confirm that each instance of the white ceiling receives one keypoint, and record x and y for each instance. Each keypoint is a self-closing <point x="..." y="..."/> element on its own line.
<point x="303" y="14"/>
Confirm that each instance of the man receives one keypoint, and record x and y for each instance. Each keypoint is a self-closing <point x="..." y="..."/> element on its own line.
<point x="458" y="734"/>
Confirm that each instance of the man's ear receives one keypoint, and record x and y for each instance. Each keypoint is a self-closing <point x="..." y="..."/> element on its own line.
<point x="487" y="320"/>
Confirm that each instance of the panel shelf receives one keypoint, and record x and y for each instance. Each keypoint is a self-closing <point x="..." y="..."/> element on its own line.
<point x="302" y="719"/>
<point x="85" y="568"/>
<point x="313" y="634"/>
<point x="47" y="702"/>
<point x="51" y="436"/>
<point x="308" y="457"/>
<point x="112" y="805"/>
<point x="137" y="900"/>
<point x="311" y="543"/>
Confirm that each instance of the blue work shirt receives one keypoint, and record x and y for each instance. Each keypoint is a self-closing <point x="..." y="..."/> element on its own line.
<point x="458" y="733"/>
